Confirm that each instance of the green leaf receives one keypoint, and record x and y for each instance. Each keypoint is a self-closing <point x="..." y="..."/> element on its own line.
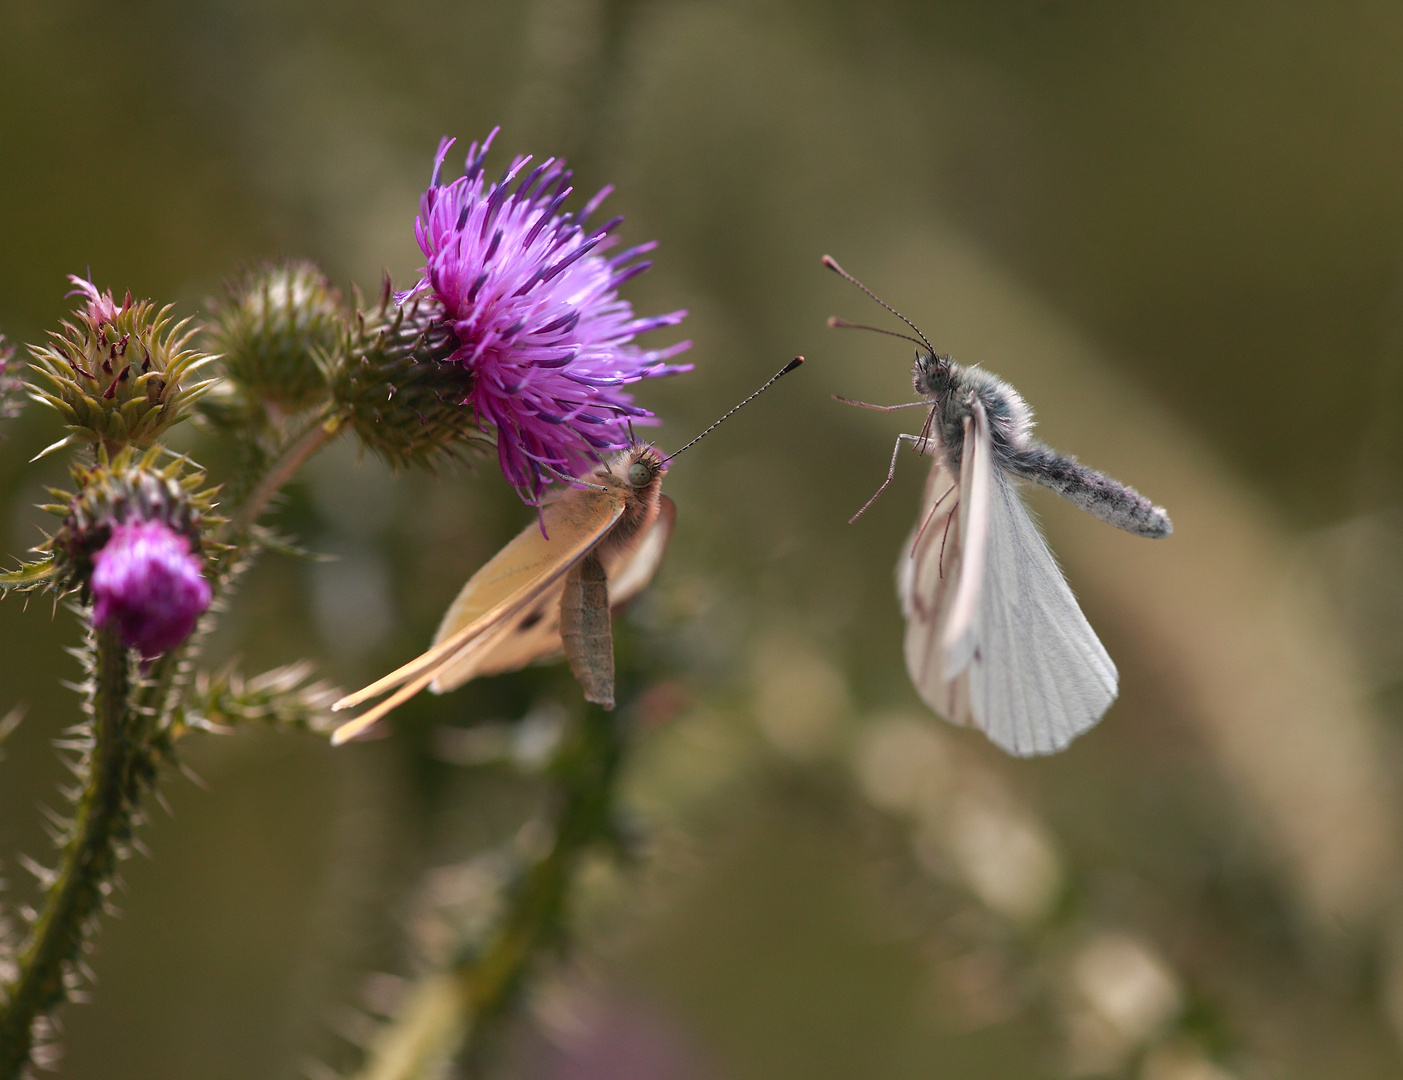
<point x="29" y="576"/>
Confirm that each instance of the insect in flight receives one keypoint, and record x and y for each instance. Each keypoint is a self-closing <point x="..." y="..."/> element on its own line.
<point x="552" y="589"/>
<point x="994" y="636"/>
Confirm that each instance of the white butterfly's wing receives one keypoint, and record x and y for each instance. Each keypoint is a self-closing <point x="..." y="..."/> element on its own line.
<point x="926" y="574"/>
<point x="1002" y="628"/>
<point x="1038" y="676"/>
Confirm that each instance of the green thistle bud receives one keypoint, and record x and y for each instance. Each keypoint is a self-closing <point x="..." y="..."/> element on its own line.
<point x="280" y="322"/>
<point x="126" y="490"/>
<point x="396" y="387"/>
<point x="118" y="375"/>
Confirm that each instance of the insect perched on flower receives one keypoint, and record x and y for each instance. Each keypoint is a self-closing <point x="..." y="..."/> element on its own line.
<point x="994" y="636"/>
<point x="534" y="304"/>
<point x="551" y="590"/>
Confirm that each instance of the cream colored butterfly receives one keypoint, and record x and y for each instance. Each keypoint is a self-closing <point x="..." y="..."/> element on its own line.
<point x="553" y="589"/>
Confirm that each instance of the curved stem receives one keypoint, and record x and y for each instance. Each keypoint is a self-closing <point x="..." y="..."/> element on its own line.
<point x="114" y="769"/>
<point x="292" y="458"/>
<point x="446" y="1009"/>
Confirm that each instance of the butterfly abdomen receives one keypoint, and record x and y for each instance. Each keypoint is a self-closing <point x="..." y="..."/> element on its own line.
<point x="1095" y="492"/>
<point x="586" y="630"/>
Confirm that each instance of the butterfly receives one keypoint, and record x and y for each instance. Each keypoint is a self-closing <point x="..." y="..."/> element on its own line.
<point x="994" y="636"/>
<point x="552" y="589"/>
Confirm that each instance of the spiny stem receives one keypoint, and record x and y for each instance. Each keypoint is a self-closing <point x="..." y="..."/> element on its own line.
<point x="445" y="1010"/>
<point x="116" y="770"/>
<point x="292" y="458"/>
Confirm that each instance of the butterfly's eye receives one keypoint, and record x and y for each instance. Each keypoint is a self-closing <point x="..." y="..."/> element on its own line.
<point x="639" y="474"/>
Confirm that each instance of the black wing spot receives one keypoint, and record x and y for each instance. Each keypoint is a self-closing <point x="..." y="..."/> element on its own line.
<point x="978" y="656"/>
<point x="530" y="621"/>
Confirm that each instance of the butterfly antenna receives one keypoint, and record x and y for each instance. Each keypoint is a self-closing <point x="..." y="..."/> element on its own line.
<point x="781" y="373"/>
<point x="832" y="264"/>
<point x="835" y="323"/>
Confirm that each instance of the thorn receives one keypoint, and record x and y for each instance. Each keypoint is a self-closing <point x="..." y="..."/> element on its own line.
<point x="42" y="874"/>
<point x="194" y="777"/>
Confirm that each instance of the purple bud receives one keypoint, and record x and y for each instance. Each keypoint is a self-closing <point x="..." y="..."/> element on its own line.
<point x="147" y="579"/>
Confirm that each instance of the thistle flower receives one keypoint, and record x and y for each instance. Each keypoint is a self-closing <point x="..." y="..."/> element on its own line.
<point x="533" y="303"/>
<point x="149" y="583"/>
<point x="129" y="489"/>
<point x="116" y="373"/>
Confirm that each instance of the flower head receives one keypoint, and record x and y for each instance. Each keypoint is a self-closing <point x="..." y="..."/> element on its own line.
<point x="113" y="493"/>
<point x="534" y="304"/>
<point x="396" y="385"/>
<point x="277" y="326"/>
<point x="119" y="373"/>
<point x="148" y="581"/>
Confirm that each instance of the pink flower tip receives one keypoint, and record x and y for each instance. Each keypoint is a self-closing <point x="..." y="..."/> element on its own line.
<point x="151" y="584"/>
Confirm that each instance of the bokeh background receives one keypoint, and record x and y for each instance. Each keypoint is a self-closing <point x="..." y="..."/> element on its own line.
<point x="1177" y="228"/>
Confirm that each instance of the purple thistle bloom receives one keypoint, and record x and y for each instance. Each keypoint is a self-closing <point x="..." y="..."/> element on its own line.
<point x="534" y="303"/>
<point x="147" y="579"/>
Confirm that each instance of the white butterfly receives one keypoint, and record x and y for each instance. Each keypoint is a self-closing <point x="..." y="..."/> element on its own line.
<point x="994" y="636"/>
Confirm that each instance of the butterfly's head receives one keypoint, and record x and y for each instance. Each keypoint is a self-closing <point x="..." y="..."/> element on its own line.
<point x="639" y="468"/>
<point x="932" y="374"/>
<point x="643" y="466"/>
<point x="638" y="472"/>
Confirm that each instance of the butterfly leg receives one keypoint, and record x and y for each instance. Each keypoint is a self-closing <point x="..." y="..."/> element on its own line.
<point x="940" y="567"/>
<point x="915" y="540"/>
<point x="586" y="629"/>
<point x="891" y="471"/>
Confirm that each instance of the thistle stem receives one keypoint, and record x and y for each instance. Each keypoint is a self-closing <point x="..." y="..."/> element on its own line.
<point x="316" y="435"/>
<point x="115" y="774"/>
<point x="446" y="1009"/>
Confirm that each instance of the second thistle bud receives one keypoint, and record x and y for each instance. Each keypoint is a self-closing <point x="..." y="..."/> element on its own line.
<point x="118" y="374"/>
<point x="398" y="389"/>
<point x="276" y="329"/>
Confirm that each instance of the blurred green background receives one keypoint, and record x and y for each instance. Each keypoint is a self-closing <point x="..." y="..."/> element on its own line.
<point x="1177" y="228"/>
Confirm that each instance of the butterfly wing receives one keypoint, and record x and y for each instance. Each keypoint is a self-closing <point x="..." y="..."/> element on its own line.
<point x="534" y="632"/>
<point x="927" y="573"/>
<point x="998" y="639"/>
<point x="502" y="593"/>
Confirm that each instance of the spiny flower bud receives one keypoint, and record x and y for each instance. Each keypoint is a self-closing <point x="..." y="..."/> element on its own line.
<point x="147" y="581"/>
<point x="126" y="491"/>
<point x="397" y="387"/>
<point x="117" y="374"/>
<point x="277" y="327"/>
